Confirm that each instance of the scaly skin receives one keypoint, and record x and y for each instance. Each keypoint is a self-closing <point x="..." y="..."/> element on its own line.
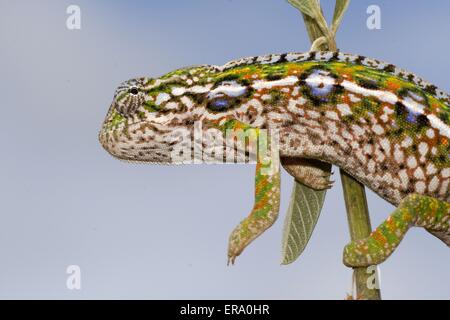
<point x="385" y="126"/>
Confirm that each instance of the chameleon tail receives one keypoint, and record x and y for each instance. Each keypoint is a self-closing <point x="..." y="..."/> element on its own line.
<point x="263" y="215"/>
<point x="413" y="211"/>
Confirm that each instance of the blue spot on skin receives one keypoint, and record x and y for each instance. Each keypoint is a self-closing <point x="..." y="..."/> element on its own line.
<point x="220" y="104"/>
<point x="412" y="116"/>
<point x="320" y="90"/>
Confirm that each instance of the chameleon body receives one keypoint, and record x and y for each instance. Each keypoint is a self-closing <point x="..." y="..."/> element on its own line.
<point x="385" y="126"/>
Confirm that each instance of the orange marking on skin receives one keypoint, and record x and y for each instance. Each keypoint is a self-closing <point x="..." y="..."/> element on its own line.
<point x="346" y="100"/>
<point x="379" y="237"/>
<point x="346" y="72"/>
<point x="261" y="204"/>
<point x="260" y="185"/>
<point x="293" y="69"/>
<point x="393" y="85"/>
<point x="391" y="225"/>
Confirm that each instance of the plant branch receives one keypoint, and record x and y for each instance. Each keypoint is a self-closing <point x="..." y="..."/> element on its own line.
<point x="354" y="193"/>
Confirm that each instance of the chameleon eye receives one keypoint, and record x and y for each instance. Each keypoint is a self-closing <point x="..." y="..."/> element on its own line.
<point x="134" y="91"/>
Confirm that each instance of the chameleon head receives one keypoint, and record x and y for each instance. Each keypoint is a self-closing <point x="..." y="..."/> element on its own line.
<point x="156" y="120"/>
<point x="143" y="124"/>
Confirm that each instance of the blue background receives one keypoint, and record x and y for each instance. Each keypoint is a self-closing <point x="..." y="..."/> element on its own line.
<point x="161" y="232"/>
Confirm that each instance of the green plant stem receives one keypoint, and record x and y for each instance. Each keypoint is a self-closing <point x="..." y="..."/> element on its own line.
<point x="359" y="225"/>
<point x="354" y="192"/>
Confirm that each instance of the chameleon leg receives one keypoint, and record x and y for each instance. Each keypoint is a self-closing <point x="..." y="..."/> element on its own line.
<point x="413" y="211"/>
<point x="263" y="215"/>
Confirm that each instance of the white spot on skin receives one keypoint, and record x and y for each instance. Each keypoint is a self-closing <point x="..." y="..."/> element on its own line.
<point x="332" y="115"/>
<point x="398" y="155"/>
<point x="380" y="156"/>
<point x="423" y="148"/>
<point x="333" y="129"/>
<point x="313" y="114"/>
<point x="161" y="98"/>
<point x="292" y="107"/>
<point x="403" y="175"/>
<point x="413" y="105"/>
<point x="354" y="98"/>
<point x="434" y="184"/>
<point x="171" y="106"/>
<point x="357" y="130"/>
<point x="407" y="142"/>
<point x="320" y="78"/>
<point x="384" y="96"/>
<point x="412" y="162"/>
<point x="294" y="56"/>
<point x="434" y="150"/>
<point x="368" y="149"/>
<point x="418" y="174"/>
<point x="361" y="157"/>
<point x="386" y="145"/>
<point x="440" y="125"/>
<point x="371" y="166"/>
<point x="431" y="169"/>
<point x="388" y="110"/>
<point x="384" y="118"/>
<point x="344" y="109"/>
<point x="347" y="135"/>
<point x="444" y="187"/>
<point x="288" y="81"/>
<point x="231" y="89"/>
<point x="200" y="89"/>
<point x="178" y="91"/>
<point x="430" y="133"/>
<point x="445" y="173"/>
<point x="420" y="187"/>
<point x="302" y="100"/>
<point x="324" y="56"/>
<point x="187" y="102"/>
<point x="378" y="129"/>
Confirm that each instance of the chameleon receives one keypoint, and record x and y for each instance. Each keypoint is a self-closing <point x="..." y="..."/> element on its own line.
<point x="385" y="126"/>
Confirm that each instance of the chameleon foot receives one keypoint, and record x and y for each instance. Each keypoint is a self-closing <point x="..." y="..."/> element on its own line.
<point x="263" y="215"/>
<point x="414" y="211"/>
<point x="312" y="173"/>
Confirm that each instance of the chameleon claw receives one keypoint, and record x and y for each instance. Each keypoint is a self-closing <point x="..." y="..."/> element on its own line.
<point x="231" y="260"/>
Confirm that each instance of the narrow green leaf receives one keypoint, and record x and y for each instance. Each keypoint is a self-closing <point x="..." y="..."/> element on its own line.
<point x="316" y="24"/>
<point x="303" y="213"/>
<point x="339" y="10"/>
<point x="308" y="7"/>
